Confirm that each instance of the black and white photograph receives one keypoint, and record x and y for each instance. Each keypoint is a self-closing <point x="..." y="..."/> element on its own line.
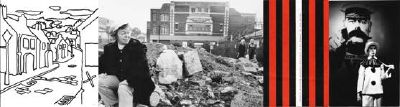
<point x="364" y="53"/>
<point x="185" y="53"/>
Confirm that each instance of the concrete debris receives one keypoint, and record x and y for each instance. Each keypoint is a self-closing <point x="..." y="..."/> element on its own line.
<point x="186" y="102"/>
<point x="228" y="89"/>
<point x="170" y="66"/>
<point x="192" y="62"/>
<point x="204" y="79"/>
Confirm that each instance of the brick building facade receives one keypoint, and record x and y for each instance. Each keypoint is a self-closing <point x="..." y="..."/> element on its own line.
<point x="196" y="22"/>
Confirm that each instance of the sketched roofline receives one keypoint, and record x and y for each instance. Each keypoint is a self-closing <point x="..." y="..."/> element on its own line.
<point x="8" y="24"/>
<point x="16" y="27"/>
<point x="39" y="34"/>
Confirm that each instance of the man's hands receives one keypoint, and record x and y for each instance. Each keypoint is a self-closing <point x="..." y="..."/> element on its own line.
<point x="335" y="41"/>
<point x="358" y="96"/>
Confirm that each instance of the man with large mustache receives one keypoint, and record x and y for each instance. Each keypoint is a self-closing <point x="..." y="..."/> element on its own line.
<point x="346" y="53"/>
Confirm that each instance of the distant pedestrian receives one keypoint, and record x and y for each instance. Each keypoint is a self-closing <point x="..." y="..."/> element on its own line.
<point x="242" y="48"/>
<point x="252" y="49"/>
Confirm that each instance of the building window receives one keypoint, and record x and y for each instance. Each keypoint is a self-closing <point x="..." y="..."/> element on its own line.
<point x="164" y="30"/>
<point x="154" y="30"/>
<point x="193" y="10"/>
<point x="206" y="10"/>
<point x="199" y="28"/>
<point x="164" y="17"/>
<point x="176" y="26"/>
<point x="154" y="17"/>
<point x="26" y="43"/>
<point x="190" y="27"/>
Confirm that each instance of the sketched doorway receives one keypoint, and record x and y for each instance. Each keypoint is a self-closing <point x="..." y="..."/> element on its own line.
<point x="28" y="63"/>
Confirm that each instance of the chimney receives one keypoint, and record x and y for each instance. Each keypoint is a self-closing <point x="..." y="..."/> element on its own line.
<point x="4" y="11"/>
<point x="37" y="26"/>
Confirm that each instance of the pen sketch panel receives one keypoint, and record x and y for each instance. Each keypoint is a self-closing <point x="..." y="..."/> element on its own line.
<point x="44" y="48"/>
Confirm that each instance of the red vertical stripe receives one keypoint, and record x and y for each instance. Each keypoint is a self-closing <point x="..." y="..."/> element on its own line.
<point x="312" y="59"/>
<point x="326" y="52"/>
<point x="272" y="53"/>
<point x="285" y="53"/>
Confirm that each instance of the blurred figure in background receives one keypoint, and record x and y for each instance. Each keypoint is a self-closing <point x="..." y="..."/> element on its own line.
<point x="242" y="49"/>
<point x="252" y="49"/>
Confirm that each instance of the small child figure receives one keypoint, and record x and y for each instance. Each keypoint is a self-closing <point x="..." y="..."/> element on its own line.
<point x="370" y="76"/>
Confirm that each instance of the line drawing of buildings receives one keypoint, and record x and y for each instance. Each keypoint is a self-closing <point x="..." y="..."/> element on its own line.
<point x="46" y="55"/>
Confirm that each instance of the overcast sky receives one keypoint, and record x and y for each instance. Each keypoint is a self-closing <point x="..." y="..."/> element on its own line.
<point x="137" y="12"/>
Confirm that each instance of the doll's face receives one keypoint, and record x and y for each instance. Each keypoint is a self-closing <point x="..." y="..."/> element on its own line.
<point x="372" y="50"/>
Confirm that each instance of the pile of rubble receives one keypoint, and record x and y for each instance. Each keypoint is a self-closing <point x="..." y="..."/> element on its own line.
<point x="194" y="77"/>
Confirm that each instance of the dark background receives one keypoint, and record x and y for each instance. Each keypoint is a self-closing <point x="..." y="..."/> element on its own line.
<point x="386" y="31"/>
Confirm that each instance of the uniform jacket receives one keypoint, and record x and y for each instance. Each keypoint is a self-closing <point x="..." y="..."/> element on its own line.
<point x="130" y="64"/>
<point x="370" y="76"/>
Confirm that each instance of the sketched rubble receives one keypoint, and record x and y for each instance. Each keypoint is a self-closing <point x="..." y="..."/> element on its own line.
<point x="23" y="90"/>
<point x="44" y="91"/>
<point x="66" y="79"/>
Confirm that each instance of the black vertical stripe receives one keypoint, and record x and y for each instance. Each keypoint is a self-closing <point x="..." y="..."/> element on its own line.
<point x="305" y="52"/>
<point x="292" y="36"/>
<point x="279" y="52"/>
<point x="319" y="52"/>
<point x="265" y="52"/>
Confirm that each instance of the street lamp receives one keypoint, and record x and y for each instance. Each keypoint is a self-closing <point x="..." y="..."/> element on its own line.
<point x="159" y="32"/>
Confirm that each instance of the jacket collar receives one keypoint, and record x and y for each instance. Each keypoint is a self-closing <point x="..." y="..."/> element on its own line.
<point x="369" y="57"/>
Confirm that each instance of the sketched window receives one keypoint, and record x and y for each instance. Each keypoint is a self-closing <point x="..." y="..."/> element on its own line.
<point x="48" y="46"/>
<point x="43" y="46"/>
<point x="26" y="43"/>
<point x="32" y="45"/>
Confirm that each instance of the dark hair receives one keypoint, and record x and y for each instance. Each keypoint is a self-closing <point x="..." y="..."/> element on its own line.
<point x="115" y="33"/>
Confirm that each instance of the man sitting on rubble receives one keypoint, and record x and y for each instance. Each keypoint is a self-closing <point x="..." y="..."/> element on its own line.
<point x="123" y="68"/>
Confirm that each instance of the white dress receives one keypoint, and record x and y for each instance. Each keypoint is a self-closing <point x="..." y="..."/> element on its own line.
<point x="370" y="76"/>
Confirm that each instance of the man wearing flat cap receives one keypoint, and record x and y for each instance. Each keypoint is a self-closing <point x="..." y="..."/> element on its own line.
<point x="346" y="53"/>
